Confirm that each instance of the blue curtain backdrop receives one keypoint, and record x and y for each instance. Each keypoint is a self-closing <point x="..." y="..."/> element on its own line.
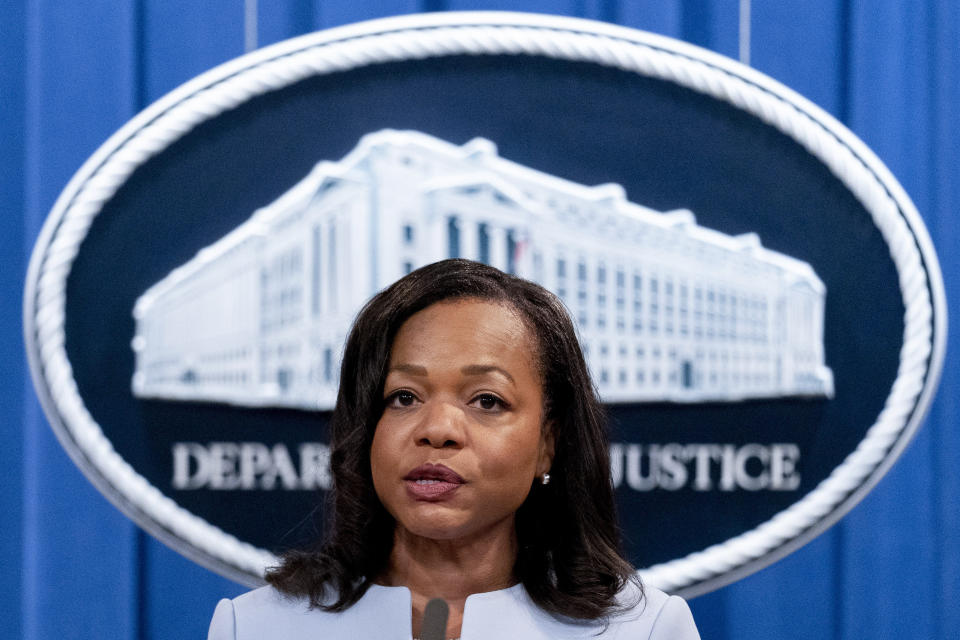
<point x="71" y="566"/>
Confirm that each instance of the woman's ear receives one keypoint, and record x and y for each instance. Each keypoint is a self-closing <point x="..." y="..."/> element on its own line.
<point x="545" y="461"/>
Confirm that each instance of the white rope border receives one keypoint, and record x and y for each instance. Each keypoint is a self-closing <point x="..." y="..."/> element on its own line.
<point x="450" y="34"/>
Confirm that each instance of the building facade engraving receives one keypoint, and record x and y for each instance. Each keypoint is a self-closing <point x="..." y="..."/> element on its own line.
<point x="667" y="310"/>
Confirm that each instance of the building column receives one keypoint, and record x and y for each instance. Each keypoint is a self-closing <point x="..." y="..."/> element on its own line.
<point x="498" y="247"/>
<point x="469" y="238"/>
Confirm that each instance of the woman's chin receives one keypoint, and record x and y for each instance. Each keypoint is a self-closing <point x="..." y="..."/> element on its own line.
<point x="435" y="530"/>
<point x="448" y="525"/>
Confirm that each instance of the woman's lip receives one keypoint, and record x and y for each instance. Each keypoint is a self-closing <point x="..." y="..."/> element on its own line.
<point x="438" y="472"/>
<point x="431" y="490"/>
<point x="432" y="482"/>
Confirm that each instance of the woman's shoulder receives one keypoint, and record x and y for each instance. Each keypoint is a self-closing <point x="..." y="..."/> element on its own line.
<point x="511" y="613"/>
<point x="263" y="607"/>
<point x="660" y="615"/>
<point x="267" y="613"/>
<point x="265" y="601"/>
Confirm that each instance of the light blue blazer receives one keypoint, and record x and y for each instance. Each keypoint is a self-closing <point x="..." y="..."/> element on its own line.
<point x="384" y="613"/>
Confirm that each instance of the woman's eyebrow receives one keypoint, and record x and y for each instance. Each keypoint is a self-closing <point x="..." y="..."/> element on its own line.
<point x="412" y="369"/>
<point x="481" y="369"/>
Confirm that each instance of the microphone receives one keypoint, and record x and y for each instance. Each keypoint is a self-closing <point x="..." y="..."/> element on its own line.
<point x="435" y="616"/>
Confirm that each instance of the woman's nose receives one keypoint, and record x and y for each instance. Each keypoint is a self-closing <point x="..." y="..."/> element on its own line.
<point x="441" y="426"/>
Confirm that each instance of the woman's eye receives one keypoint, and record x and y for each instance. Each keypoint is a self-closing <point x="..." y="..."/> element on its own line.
<point x="488" y="402"/>
<point x="401" y="399"/>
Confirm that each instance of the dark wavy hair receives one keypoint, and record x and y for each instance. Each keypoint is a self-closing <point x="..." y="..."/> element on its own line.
<point x="569" y="557"/>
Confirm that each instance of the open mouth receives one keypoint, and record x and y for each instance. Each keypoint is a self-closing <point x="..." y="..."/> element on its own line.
<point x="432" y="482"/>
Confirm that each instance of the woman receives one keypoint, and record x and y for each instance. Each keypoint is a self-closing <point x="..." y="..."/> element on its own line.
<point x="470" y="463"/>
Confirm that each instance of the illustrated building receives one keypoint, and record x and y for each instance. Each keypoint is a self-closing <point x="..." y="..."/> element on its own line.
<point x="667" y="310"/>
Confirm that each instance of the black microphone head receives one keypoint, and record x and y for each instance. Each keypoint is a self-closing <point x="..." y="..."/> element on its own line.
<point x="435" y="616"/>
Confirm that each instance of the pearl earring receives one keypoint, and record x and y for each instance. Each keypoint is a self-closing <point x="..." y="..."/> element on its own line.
<point x="545" y="479"/>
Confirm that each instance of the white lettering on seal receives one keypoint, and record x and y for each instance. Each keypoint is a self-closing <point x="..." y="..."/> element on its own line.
<point x="248" y="466"/>
<point x="705" y="467"/>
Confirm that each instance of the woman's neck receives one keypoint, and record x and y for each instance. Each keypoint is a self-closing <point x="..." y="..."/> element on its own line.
<point x="451" y="569"/>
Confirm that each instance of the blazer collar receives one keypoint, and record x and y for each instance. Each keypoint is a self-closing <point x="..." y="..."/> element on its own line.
<point x="507" y="613"/>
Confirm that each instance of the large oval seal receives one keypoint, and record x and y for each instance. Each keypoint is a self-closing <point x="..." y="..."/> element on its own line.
<point x="759" y="302"/>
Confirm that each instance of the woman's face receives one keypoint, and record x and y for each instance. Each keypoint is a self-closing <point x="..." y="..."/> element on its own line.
<point x="461" y="438"/>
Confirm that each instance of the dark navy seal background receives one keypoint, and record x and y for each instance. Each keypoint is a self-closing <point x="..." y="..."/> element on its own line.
<point x="71" y="75"/>
<point x="668" y="147"/>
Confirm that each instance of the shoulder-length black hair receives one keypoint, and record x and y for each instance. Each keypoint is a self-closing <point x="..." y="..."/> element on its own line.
<point x="569" y="556"/>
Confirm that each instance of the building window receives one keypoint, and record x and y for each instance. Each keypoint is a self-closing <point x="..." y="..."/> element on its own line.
<point x="562" y="278"/>
<point x="582" y="290"/>
<point x="637" y="302"/>
<point x="687" y="374"/>
<point x="332" y="269"/>
<point x="511" y="252"/>
<point x="483" y="242"/>
<point x="654" y="305"/>
<point x="684" y="306"/>
<point x="328" y="365"/>
<point x="453" y="237"/>
<point x="601" y="286"/>
<point x="621" y="295"/>
<point x="407" y="266"/>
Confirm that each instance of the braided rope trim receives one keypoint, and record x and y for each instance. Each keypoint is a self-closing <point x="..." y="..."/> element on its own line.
<point x="438" y="35"/>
